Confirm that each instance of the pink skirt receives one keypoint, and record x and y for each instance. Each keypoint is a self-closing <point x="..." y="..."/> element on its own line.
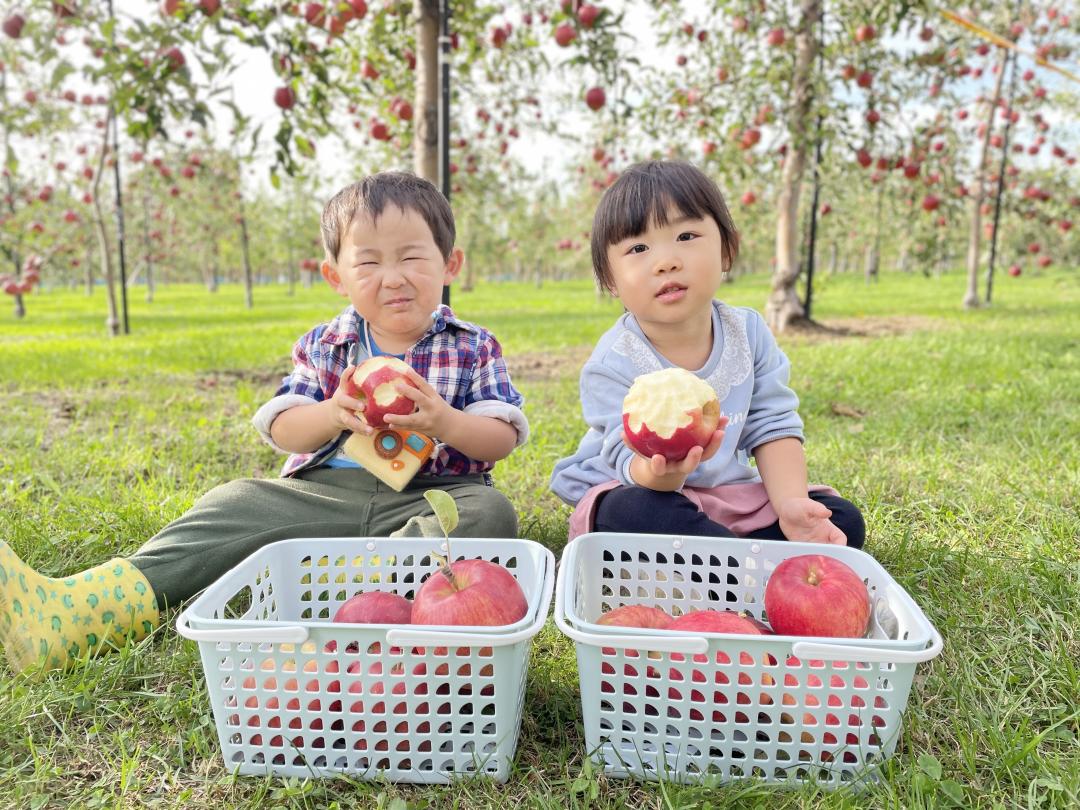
<point x="743" y="508"/>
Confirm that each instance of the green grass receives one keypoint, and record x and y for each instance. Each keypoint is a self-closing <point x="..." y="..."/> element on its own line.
<point x="964" y="459"/>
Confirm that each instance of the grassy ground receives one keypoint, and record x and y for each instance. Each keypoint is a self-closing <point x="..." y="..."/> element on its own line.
<point x="957" y="433"/>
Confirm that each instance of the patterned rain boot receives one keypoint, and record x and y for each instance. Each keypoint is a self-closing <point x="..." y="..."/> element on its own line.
<point x="48" y="622"/>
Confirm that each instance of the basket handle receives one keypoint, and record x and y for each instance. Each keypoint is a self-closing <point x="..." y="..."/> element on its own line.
<point x="848" y="652"/>
<point x="257" y="634"/>
<point x="676" y="644"/>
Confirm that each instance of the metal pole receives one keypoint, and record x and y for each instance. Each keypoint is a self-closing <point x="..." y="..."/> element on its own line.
<point x="817" y="182"/>
<point x="444" y="110"/>
<point x="119" y="215"/>
<point x="1001" y="181"/>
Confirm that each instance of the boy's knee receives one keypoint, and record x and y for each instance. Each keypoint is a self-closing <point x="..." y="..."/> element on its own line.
<point x="485" y="512"/>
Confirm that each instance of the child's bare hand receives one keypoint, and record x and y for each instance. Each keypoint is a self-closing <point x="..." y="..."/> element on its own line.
<point x="660" y="467"/>
<point x="432" y="411"/>
<point x="343" y="408"/>
<point x="808" y="521"/>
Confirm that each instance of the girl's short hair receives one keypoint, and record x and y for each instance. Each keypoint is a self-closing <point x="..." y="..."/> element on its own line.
<point x="641" y="196"/>
<point x="372" y="194"/>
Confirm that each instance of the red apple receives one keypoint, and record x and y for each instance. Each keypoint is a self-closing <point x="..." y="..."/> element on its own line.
<point x="1014" y="270"/>
<point x="776" y="37"/>
<point x="375" y="607"/>
<point x="749" y="198"/>
<point x="210" y="7"/>
<point x="470" y="592"/>
<point x="565" y="34"/>
<point x="175" y="58"/>
<point x="379" y="131"/>
<point x="374" y="383"/>
<point x="719" y="621"/>
<point x="170" y="7"/>
<point x="815" y="595"/>
<point x="595" y="98"/>
<point x="368" y="71"/>
<point x="285" y="97"/>
<point x="588" y="14"/>
<point x="865" y="33"/>
<point x="930" y="203"/>
<point x="671" y="410"/>
<point x="13" y="25"/>
<point x="635" y="616"/>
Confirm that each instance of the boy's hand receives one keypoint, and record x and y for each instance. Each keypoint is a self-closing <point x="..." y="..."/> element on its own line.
<point x="343" y="408"/>
<point x="432" y="413"/>
<point x="670" y="475"/>
<point x="806" y="520"/>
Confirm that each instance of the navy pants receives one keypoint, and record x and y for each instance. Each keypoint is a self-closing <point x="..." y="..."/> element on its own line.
<point x="643" y="510"/>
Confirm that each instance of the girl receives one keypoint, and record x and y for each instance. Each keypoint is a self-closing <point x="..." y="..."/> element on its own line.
<point x="662" y="240"/>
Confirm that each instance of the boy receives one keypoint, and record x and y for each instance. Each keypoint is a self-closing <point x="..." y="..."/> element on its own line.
<point x="389" y="245"/>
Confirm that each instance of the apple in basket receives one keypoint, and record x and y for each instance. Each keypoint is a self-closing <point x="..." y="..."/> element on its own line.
<point x="375" y="607"/>
<point x="466" y="592"/>
<point x="374" y="382"/>
<point x="469" y="592"/>
<point x="635" y="616"/>
<point x="719" y="621"/>
<point x="668" y="412"/>
<point x="816" y="595"/>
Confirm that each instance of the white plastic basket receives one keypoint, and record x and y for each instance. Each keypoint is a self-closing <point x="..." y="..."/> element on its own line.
<point x="721" y="706"/>
<point x="295" y="694"/>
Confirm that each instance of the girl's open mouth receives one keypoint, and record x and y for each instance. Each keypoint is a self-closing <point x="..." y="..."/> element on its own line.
<point x="671" y="292"/>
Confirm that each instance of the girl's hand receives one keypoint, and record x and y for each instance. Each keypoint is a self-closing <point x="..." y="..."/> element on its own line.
<point x="432" y="414"/>
<point x="343" y="408"/>
<point x="670" y="471"/>
<point x="806" y="520"/>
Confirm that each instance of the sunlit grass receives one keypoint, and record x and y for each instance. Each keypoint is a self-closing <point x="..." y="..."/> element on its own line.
<point x="957" y="433"/>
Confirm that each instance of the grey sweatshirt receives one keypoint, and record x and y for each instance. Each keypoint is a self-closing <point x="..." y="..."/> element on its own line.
<point x="747" y="370"/>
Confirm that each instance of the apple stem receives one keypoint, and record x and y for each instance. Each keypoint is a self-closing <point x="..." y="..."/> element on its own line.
<point x="444" y="568"/>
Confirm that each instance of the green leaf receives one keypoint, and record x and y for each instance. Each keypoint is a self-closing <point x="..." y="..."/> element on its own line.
<point x="954" y="790"/>
<point x="445" y="509"/>
<point x="929" y="765"/>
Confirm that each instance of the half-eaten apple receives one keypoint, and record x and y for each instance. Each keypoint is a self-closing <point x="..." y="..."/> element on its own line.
<point x="374" y="382"/>
<point x="668" y="412"/>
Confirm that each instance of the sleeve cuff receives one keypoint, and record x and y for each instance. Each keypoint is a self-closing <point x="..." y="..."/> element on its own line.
<point x="504" y="411"/>
<point x="265" y="416"/>
<point x="772" y="437"/>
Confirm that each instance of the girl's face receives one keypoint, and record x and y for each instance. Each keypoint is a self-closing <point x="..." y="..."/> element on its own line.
<point x="668" y="274"/>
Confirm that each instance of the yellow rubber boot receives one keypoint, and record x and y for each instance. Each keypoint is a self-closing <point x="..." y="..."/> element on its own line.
<point x="48" y="622"/>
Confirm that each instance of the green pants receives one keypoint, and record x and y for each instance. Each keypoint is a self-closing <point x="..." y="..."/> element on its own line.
<point x="232" y="521"/>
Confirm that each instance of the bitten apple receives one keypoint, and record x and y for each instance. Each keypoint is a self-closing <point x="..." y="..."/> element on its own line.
<point x="470" y="592"/>
<point x="374" y="382"/>
<point x="636" y="616"/>
<point x="668" y="412"/>
<point x="375" y="607"/>
<point x="816" y="595"/>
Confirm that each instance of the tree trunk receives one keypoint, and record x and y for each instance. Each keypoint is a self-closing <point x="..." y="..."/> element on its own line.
<point x="112" y="320"/>
<point x="873" y="263"/>
<point x="834" y="256"/>
<point x="971" y="296"/>
<point x="249" y="300"/>
<point x="783" y="305"/>
<point x="426" y="134"/>
<point x="148" y="258"/>
<point x="89" y="262"/>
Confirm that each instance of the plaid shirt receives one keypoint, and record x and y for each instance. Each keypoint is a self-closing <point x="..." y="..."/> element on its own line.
<point x="462" y="361"/>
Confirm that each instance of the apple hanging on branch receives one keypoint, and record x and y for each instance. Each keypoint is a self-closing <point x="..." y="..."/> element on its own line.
<point x="466" y="592"/>
<point x="668" y="412"/>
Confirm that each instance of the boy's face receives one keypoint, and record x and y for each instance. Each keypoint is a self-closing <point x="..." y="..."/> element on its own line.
<point x="668" y="274"/>
<point x="392" y="272"/>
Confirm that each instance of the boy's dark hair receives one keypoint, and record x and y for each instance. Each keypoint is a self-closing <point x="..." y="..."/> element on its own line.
<point x="641" y="196"/>
<point x="372" y="194"/>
